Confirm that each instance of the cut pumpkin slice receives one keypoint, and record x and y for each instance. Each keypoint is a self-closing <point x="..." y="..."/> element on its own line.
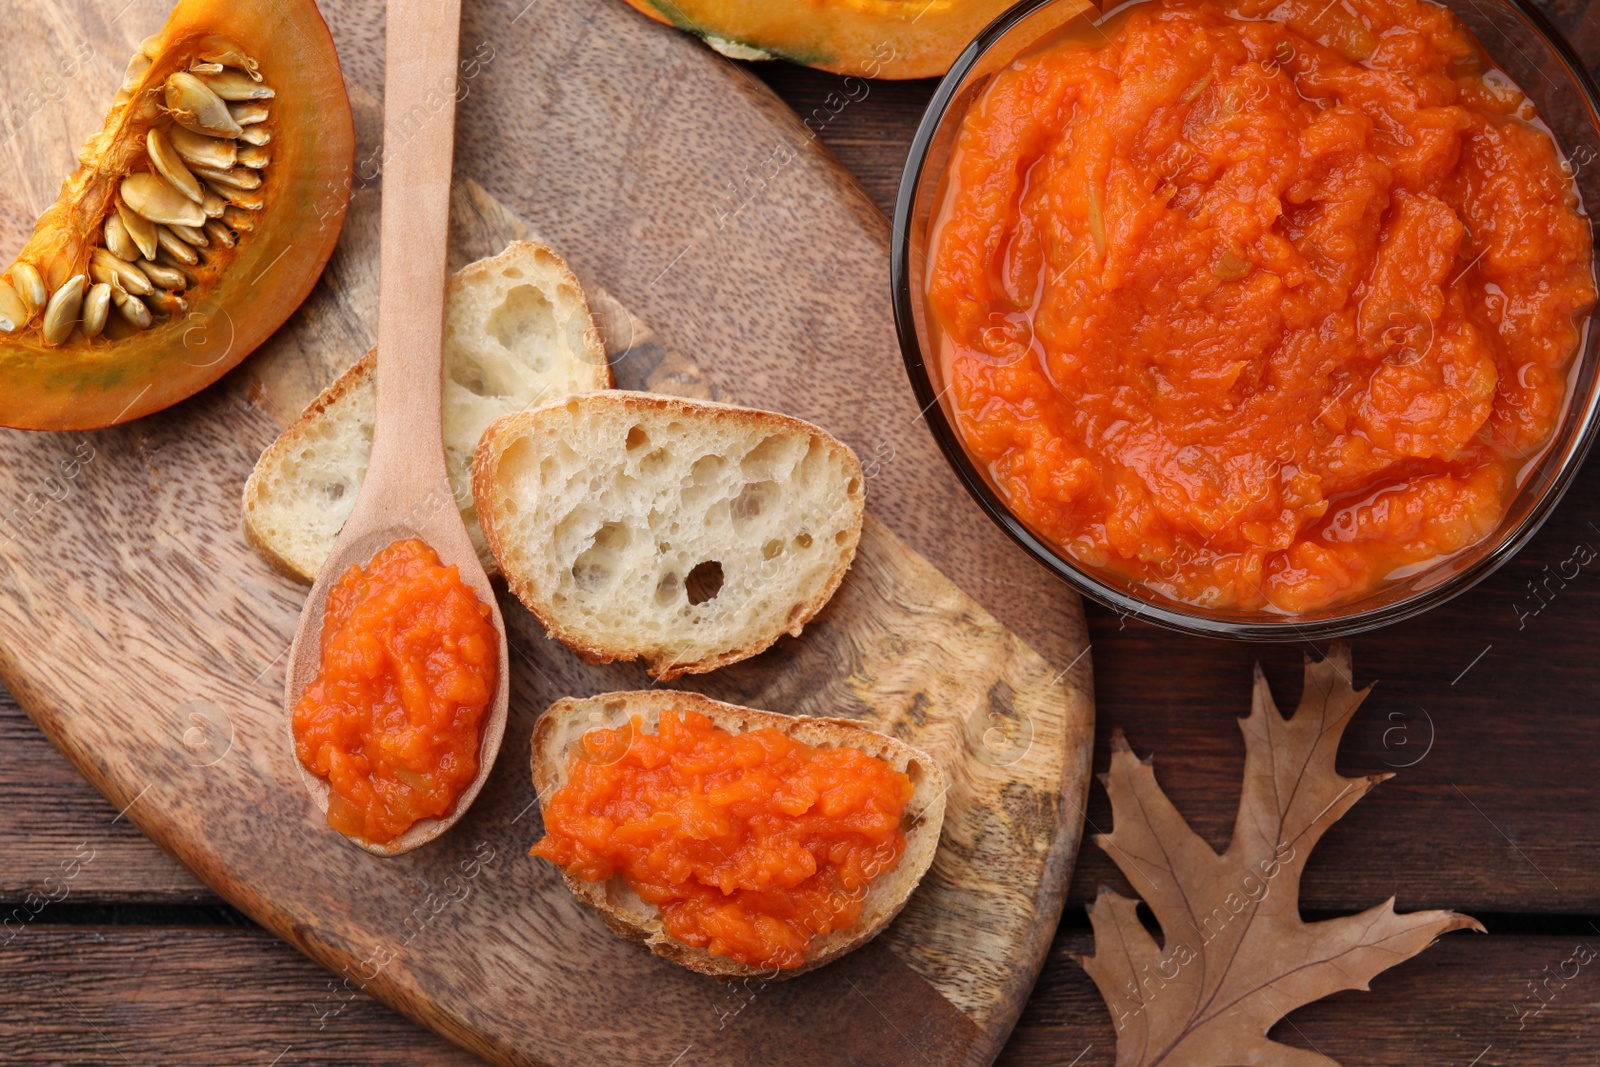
<point x="199" y="218"/>
<point x="867" y="38"/>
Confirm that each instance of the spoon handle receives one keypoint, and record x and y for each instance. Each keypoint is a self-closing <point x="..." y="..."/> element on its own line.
<point x="419" y="115"/>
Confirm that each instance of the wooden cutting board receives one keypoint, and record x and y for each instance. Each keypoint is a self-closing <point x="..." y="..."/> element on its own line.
<point x="147" y="641"/>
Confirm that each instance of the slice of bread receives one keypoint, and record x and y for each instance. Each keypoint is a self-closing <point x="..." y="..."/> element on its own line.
<point x="625" y="912"/>
<point x="517" y="332"/>
<point x="688" y="533"/>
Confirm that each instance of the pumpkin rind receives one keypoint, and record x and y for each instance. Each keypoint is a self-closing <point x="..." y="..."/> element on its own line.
<point x="84" y="383"/>
<point x="867" y="38"/>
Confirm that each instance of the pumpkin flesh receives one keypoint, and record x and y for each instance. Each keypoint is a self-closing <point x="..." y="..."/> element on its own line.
<point x="233" y="296"/>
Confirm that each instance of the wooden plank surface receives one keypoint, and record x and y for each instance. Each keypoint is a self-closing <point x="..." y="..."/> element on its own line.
<point x="110" y="994"/>
<point x="95" y="994"/>
<point x="1465" y="1001"/>
<point x="1497" y="817"/>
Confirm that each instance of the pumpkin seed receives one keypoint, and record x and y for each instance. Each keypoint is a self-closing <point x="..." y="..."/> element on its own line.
<point x="167" y="259"/>
<point x="154" y="199"/>
<point x="141" y="229"/>
<point x="13" y="313"/>
<point x="234" y="58"/>
<point x="61" y="314"/>
<point x="214" y="205"/>
<point x="256" y="135"/>
<point x="176" y="247"/>
<point x="202" y="66"/>
<point x="122" y="97"/>
<point x="30" y="287"/>
<point x="248" y="114"/>
<point x="151" y="46"/>
<point x="102" y="274"/>
<point x="254" y="157"/>
<point x="95" y="306"/>
<point x="165" y="277"/>
<point x="170" y="165"/>
<point x="118" y="240"/>
<point x="238" y="220"/>
<point x="203" y="150"/>
<point x="107" y="268"/>
<point x="233" y="178"/>
<point x="237" y="85"/>
<point x="220" y="234"/>
<point x="137" y="68"/>
<point x="195" y="107"/>
<point x="132" y="309"/>
<point x="191" y="235"/>
<point x="248" y="199"/>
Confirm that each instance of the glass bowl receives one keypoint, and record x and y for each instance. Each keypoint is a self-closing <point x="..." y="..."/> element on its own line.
<point x="1519" y="39"/>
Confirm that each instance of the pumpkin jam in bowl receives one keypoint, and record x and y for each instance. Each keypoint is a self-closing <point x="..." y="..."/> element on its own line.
<point x="1255" y="318"/>
<point x="394" y="719"/>
<point x="750" y="845"/>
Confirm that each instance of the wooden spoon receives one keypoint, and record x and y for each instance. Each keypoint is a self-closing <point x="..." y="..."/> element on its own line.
<point x="406" y="492"/>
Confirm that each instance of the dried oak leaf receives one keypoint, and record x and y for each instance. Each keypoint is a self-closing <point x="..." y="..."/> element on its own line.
<point x="1236" y="957"/>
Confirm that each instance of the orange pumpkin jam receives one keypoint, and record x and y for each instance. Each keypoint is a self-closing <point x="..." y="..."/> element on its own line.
<point x="749" y="844"/>
<point x="393" y="720"/>
<point x="1257" y="304"/>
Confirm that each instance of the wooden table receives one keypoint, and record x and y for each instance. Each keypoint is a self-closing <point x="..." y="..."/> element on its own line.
<point x="1485" y="708"/>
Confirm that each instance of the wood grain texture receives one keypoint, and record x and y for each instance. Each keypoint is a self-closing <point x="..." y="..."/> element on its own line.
<point x="122" y="995"/>
<point x="1466" y="1001"/>
<point x="406" y="493"/>
<point x="1512" y="750"/>
<point x="51" y="811"/>
<point x="147" y="641"/>
<point x="1176" y="697"/>
<point x="880" y="653"/>
<point x="682" y="239"/>
<point x="118" y="995"/>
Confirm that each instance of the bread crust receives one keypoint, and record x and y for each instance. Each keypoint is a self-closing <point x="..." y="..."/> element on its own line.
<point x="289" y="439"/>
<point x="547" y="259"/>
<point x="568" y="719"/>
<point x="508" y="429"/>
<point x="514" y="254"/>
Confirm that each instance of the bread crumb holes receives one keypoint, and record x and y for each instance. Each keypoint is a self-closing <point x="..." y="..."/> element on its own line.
<point x="704" y="582"/>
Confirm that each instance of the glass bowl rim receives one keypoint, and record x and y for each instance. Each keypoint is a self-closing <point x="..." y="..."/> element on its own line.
<point x="1195" y="621"/>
